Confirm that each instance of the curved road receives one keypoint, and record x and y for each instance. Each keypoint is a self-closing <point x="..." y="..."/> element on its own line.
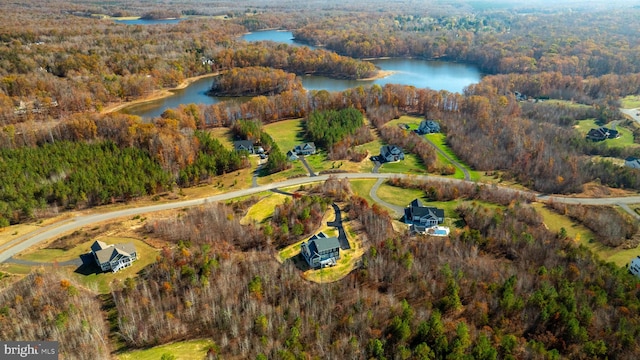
<point x="374" y="195"/>
<point x="65" y="226"/>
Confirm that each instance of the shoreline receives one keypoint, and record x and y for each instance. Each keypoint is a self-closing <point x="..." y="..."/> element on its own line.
<point x="379" y="75"/>
<point x="155" y="95"/>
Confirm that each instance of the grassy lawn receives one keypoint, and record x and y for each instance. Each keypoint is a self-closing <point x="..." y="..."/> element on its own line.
<point x="183" y="350"/>
<point x="410" y="165"/>
<point x="440" y="141"/>
<point x="412" y="121"/>
<point x="362" y="188"/>
<point x="99" y="282"/>
<point x="223" y="135"/>
<point x="287" y="134"/>
<point x="625" y="139"/>
<point x="584" y="236"/>
<point x="398" y="196"/>
<point x="264" y="208"/>
<point x="630" y="102"/>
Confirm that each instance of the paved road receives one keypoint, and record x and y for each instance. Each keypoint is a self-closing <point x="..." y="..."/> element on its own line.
<point x="56" y="230"/>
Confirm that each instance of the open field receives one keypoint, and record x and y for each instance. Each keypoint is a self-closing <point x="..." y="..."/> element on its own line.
<point x="183" y="350"/>
<point x="264" y="208"/>
<point x="223" y="135"/>
<point x="410" y="165"/>
<point x="287" y="134"/>
<point x="398" y="196"/>
<point x="440" y="140"/>
<point x="584" y="236"/>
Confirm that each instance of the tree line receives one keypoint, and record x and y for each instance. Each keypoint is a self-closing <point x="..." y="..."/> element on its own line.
<point x="253" y="81"/>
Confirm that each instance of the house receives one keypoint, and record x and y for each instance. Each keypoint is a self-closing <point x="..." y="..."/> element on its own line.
<point x="602" y="133"/>
<point x="421" y="217"/>
<point x="291" y="155"/>
<point x="634" y="266"/>
<point x="321" y="251"/>
<point x="113" y="257"/>
<point x="243" y="145"/>
<point x="305" y="149"/>
<point x="390" y="153"/>
<point x="428" y="127"/>
<point x="632" y="162"/>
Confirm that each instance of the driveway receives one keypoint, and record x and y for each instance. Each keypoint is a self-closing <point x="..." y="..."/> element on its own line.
<point x="342" y="236"/>
<point x="632" y="113"/>
<point x="306" y="164"/>
<point x="399" y="211"/>
<point x="464" y="170"/>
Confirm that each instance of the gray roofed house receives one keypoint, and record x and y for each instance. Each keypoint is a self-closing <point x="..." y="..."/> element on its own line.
<point x="428" y="127"/>
<point x="113" y="257"/>
<point x="305" y="149"/>
<point x="291" y="155"/>
<point x="390" y="153"/>
<point x="422" y="217"/>
<point x="321" y="251"/>
<point x="243" y="145"/>
<point x="632" y="162"/>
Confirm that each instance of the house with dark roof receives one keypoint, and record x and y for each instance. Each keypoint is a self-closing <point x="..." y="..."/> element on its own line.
<point x="428" y="127"/>
<point x="602" y="133"/>
<point x="390" y="153"/>
<point x="305" y="149"/>
<point x="321" y="251"/>
<point x="420" y="217"/>
<point x="632" y="162"/>
<point x="113" y="257"/>
<point x="243" y="145"/>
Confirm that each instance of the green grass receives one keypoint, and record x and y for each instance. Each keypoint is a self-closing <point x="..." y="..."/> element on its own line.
<point x="362" y="188"/>
<point x="440" y="141"/>
<point x="412" y="121"/>
<point x="398" y="196"/>
<point x="183" y="350"/>
<point x="16" y="269"/>
<point x="630" y="102"/>
<point x="583" y="236"/>
<point x="223" y="135"/>
<point x="410" y="165"/>
<point x="287" y="134"/>
<point x="264" y="208"/>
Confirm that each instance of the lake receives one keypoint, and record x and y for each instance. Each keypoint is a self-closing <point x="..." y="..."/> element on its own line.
<point x="436" y="75"/>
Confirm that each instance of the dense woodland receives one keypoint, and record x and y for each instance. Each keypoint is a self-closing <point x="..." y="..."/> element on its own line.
<point x="244" y="82"/>
<point x="501" y="286"/>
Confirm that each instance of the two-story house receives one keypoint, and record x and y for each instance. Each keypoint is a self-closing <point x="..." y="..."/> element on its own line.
<point x="321" y="251"/>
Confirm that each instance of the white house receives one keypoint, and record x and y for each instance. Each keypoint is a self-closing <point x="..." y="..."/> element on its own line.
<point x="113" y="257"/>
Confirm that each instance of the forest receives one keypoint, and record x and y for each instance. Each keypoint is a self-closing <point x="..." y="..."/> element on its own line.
<point x="501" y="286"/>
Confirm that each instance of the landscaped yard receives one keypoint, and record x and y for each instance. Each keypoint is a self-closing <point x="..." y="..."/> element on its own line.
<point x="398" y="196"/>
<point x="410" y="165"/>
<point x="223" y="135"/>
<point x="347" y="262"/>
<point x="183" y="350"/>
<point x="99" y="282"/>
<point x="412" y="121"/>
<point x="625" y="139"/>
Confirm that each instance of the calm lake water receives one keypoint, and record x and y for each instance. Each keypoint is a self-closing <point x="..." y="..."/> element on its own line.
<point x="436" y="75"/>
